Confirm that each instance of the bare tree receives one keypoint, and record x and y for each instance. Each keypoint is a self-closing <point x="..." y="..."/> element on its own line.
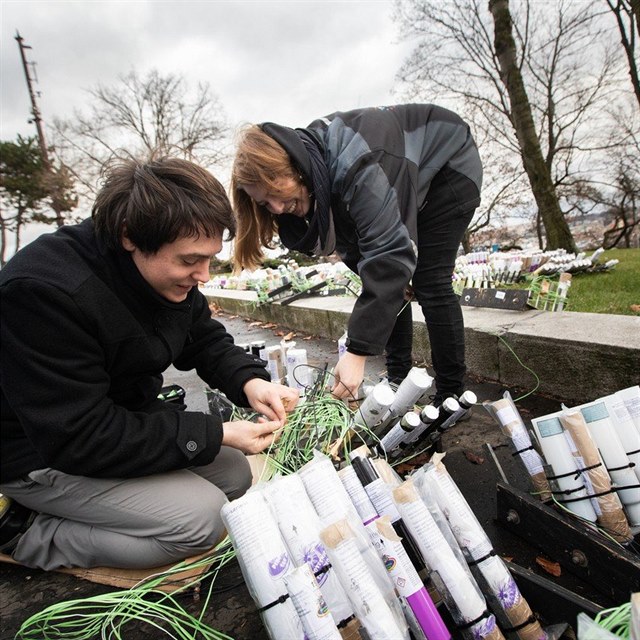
<point x="627" y="17"/>
<point x="455" y="61"/>
<point x="142" y="116"/>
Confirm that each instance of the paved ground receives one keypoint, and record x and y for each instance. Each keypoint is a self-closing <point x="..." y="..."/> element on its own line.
<point x="24" y="592"/>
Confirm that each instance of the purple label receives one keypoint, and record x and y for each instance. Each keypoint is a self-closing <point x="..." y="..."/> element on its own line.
<point x="316" y="557"/>
<point x="509" y="594"/>
<point x="279" y="565"/>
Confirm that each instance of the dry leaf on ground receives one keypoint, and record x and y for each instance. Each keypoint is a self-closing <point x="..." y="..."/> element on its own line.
<point x="635" y="308"/>
<point x="255" y="324"/>
<point x="473" y="457"/>
<point x="549" y="566"/>
<point x="290" y="335"/>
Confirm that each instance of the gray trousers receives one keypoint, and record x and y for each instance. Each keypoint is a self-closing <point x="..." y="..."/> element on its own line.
<point x="130" y="523"/>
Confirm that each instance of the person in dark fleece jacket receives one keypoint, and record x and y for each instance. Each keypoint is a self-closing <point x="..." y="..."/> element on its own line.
<point x="91" y="317"/>
<point x="392" y="191"/>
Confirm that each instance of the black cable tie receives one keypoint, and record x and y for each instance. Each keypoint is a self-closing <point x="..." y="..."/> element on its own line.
<point x="519" y="451"/>
<point x="631" y="453"/>
<point x="473" y="563"/>
<point x="322" y="570"/>
<point x="280" y="600"/>
<point x="485" y="614"/>
<point x="624" y="466"/>
<point x="567" y="492"/>
<point x="531" y="619"/>
<point x="346" y="621"/>
<point x="577" y="473"/>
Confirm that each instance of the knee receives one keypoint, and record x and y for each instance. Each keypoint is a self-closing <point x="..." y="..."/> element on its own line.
<point x="240" y="478"/>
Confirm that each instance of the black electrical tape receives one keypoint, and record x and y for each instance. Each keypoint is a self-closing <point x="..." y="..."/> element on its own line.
<point x="522" y="625"/>
<point x="485" y="614"/>
<point x="473" y="563"/>
<point x="280" y="600"/>
<point x="624" y="466"/>
<point x="323" y="570"/>
<point x="345" y="622"/>
<point x="519" y="451"/>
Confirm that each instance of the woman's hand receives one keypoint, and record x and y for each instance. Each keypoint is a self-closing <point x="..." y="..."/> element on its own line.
<point x="348" y="374"/>
<point x="271" y="399"/>
<point x="250" y="437"/>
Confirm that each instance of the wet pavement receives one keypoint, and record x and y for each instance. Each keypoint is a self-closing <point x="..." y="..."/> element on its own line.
<point x="230" y="609"/>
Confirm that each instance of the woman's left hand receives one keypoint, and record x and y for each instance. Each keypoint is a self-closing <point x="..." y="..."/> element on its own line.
<point x="270" y="399"/>
<point x="348" y="373"/>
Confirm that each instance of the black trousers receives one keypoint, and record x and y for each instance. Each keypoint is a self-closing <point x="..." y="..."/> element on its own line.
<point x="450" y="204"/>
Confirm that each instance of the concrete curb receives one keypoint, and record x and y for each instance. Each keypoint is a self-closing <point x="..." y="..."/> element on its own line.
<point x="576" y="356"/>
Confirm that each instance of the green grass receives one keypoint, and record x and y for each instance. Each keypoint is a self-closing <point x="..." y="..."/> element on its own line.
<point x="613" y="291"/>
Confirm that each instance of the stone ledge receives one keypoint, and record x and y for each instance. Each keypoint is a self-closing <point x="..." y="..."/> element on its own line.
<point x="576" y="357"/>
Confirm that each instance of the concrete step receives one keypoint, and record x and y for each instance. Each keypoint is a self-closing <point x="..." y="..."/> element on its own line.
<point x="576" y="357"/>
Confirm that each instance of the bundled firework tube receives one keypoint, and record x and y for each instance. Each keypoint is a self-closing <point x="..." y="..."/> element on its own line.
<point x="375" y="407"/>
<point x="470" y="610"/>
<point x="410" y="390"/>
<point x="300" y="526"/>
<point x="380" y="494"/>
<point x="264" y="561"/>
<point x="631" y="398"/>
<point x="611" y="515"/>
<point x="358" y="495"/>
<point x="625" y="427"/>
<point x="433" y="432"/>
<point x="566" y="471"/>
<point x="428" y="415"/>
<point x="506" y="415"/>
<point x="407" y="581"/>
<point x="328" y="496"/>
<point x="376" y="606"/>
<point x="316" y="617"/>
<point x="400" y="431"/>
<point x="614" y="456"/>
<point x="512" y="609"/>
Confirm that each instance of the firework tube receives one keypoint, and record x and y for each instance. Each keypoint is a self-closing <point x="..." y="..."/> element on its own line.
<point x="631" y="399"/>
<point x="614" y="456"/>
<point x="399" y="432"/>
<point x="504" y="412"/>
<point x="445" y="411"/>
<point x="358" y="495"/>
<point x="466" y="603"/>
<point x="300" y="526"/>
<point x="428" y="415"/>
<point x="610" y="516"/>
<point x="466" y="401"/>
<point x="264" y="561"/>
<point x="375" y="406"/>
<point x="407" y="581"/>
<point x="557" y="453"/>
<point x="317" y="621"/>
<point x="470" y="535"/>
<point x="378" y="610"/>
<point x="626" y="429"/>
<point x="417" y="382"/>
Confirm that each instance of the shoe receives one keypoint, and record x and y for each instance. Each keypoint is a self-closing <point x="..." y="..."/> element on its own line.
<point x="14" y="521"/>
<point x="438" y="398"/>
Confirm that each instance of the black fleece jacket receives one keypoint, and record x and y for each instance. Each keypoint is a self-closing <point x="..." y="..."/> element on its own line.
<point x="84" y="343"/>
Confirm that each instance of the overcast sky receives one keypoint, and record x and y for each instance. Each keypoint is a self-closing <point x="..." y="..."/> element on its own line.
<point x="289" y="62"/>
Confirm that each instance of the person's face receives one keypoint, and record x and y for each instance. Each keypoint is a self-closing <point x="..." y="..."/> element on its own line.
<point x="291" y="197"/>
<point x="178" y="266"/>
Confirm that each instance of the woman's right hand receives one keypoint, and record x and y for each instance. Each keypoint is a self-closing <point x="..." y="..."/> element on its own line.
<point x="250" y="437"/>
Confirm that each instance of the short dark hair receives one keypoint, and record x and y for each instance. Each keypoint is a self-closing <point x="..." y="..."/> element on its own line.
<point x="158" y="202"/>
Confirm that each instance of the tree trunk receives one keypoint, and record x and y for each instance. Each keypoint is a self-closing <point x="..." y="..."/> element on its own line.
<point x="556" y="227"/>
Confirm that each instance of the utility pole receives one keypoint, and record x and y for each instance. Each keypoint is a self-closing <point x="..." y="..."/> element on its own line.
<point x="37" y="119"/>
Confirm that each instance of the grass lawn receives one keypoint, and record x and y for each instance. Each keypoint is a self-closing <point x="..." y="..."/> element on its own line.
<point x="614" y="291"/>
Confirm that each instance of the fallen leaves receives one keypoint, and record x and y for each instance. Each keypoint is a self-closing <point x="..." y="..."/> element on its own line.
<point x="635" y="308"/>
<point x="550" y="566"/>
<point x="473" y="457"/>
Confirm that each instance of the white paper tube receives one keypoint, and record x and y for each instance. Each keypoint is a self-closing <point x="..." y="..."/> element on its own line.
<point x="472" y="537"/>
<point x="399" y="432"/>
<point x="439" y="557"/>
<point x="410" y="390"/>
<point x="428" y="415"/>
<point x="317" y="621"/>
<point x="375" y="406"/>
<point x="616" y="460"/>
<point x="631" y="398"/>
<point x="264" y="561"/>
<point x="557" y="453"/>
<point x="369" y="602"/>
<point x="506" y="415"/>
<point x="300" y="527"/>
<point x="625" y="428"/>
<point x="358" y="495"/>
<point x="466" y="402"/>
<point x="297" y="369"/>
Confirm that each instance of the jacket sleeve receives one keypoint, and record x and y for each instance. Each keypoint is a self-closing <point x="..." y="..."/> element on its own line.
<point x="211" y="351"/>
<point x="387" y="257"/>
<point x="54" y="376"/>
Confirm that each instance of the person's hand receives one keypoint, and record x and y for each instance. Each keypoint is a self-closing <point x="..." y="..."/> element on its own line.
<point x="250" y="437"/>
<point x="270" y="399"/>
<point x="348" y="374"/>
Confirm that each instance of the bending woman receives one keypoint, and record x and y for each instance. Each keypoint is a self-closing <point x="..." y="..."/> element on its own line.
<point x="392" y="191"/>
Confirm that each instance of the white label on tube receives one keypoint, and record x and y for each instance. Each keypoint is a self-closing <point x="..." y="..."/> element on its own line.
<point x="380" y="493"/>
<point x="358" y="495"/>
